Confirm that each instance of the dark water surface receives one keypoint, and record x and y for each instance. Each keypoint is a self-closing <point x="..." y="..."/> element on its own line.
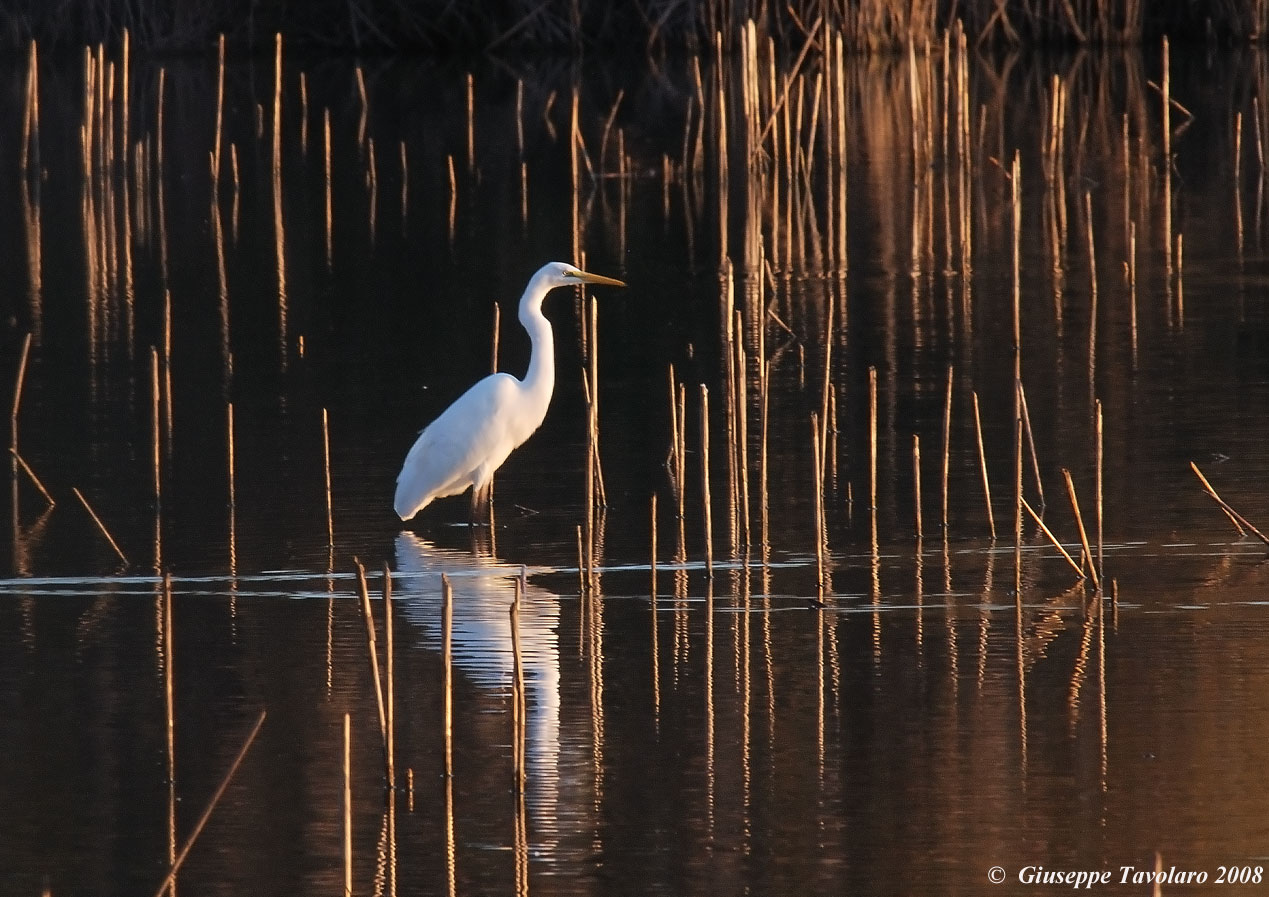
<point x="923" y="725"/>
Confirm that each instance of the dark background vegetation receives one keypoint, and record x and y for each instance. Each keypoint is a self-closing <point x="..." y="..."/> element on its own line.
<point x="380" y="26"/>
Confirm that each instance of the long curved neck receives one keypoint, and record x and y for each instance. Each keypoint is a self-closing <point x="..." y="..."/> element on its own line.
<point x="539" y="381"/>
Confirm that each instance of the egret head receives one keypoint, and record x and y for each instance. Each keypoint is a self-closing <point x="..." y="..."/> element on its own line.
<point x="561" y="274"/>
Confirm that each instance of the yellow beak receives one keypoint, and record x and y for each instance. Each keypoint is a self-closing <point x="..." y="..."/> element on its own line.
<point x="587" y="277"/>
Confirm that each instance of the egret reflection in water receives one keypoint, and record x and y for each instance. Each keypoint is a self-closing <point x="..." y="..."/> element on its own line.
<point x="483" y="591"/>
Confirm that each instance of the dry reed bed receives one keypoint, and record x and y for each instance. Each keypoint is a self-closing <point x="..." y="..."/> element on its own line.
<point x="654" y="25"/>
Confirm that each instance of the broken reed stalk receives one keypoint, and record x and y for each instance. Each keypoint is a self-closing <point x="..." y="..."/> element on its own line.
<point x="347" y="806"/>
<point x="1132" y="286"/>
<point x="497" y="324"/>
<point x="1079" y="520"/>
<point x="220" y="109"/>
<point x="872" y="438"/>
<point x="101" y="526"/>
<point x="374" y="654"/>
<point x="277" y="104"/>
<point x="673" y="460"/>
<point x="330" y="519"/>
<point x="742" y="437"/>
<point x="1026" y="425"/>
<point x="1017" y="506"/>
<point x="681" y="452"/>
<point x="518" y="704"/>
<point x="600" y="492"/>
<point x="304" y="114"/>
<point x="453" y="195"/>
<point x="329" y="210"/>
<point x="471" y="122"/>
<point x="916" y="484"/>
<point x="1101" y="566"/>
<point x="817" y="481"/>
<point x="17" y="392"/>
<point x="211" y="806"/>
<point x="827" y="392"/>
<point x="31" y="109"/>
<point x="31" y="474"/>
<point x="154" y="419"/>
<point x="1052" y="538"/>
<point x="652" y="554"/>
<point x="709" y="535"/>
<point x="573" y="139"/>
<point x="1234" y="515"/>
<point x="229" y="438"/>
<point x="405" y="181"/>
<point x="982" y="463"/>
<point x="590" y="480"/>
<point x="581" y="564"/>
<point x="447" y="676"/>
<point x="947" y="442"/>
<point x="1092" y="284"/>
<point x="390" y="739"/>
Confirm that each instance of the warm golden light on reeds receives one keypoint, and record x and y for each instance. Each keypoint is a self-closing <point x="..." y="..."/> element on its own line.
<point x="211" y="806"/>
<point x="447" y="680"/>
<point x="372" y="651"/>
<point x="1238" y="519"/>
<point x="101" y="527"/>
<point x="759" y="174"/>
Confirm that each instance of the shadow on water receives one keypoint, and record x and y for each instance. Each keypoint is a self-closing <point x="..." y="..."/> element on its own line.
<point x="823" y="700"/>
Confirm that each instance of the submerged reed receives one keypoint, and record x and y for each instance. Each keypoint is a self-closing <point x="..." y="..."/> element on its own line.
<point x="368" y="616"/>
<point x="1079" y="522"/>
<point x="211" y="805"/>
<point x="18" y="382"/>
<point x="1237" y="518"/>
<point x="100" y="526"/>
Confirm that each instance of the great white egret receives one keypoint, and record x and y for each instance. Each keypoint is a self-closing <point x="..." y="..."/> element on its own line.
<point x="472" y="437"/>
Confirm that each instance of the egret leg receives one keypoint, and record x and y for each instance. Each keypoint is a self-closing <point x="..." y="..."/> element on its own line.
<point x="482" y="505"/>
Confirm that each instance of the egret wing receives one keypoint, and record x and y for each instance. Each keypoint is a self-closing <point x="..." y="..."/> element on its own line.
<point x="455" y="450"/>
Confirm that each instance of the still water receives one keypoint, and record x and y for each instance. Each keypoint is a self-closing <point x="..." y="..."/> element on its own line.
<point x="901" y="728"/>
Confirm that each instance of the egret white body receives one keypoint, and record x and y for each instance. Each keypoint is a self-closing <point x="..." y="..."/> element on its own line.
<point x="469" y="441"/>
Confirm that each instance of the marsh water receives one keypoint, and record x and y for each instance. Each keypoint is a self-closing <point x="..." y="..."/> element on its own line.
<point x="902" y="728"/>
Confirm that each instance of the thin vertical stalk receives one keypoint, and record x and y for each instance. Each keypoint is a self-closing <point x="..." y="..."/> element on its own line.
<point x="872" y="438"/>
<point x="916" y="484"/>
<point x="1101" y="567"/>
<point x="947" y="443"/>
<point x="330" y="519"/>
<point x="368" y="614"/>
<point x="154" y="421"/>
<point x="709" y="536"/>
<point x="1079" y="520"/>
<point x="817" y="481"/>
<point x="982" y="463"/>
<point x="347" y="806"/>
<point x="447" y="675"/>
<point x="390" y="664"/>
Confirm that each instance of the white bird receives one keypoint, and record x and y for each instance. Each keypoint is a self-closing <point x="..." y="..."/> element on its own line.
<point x="472" y="437"/>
